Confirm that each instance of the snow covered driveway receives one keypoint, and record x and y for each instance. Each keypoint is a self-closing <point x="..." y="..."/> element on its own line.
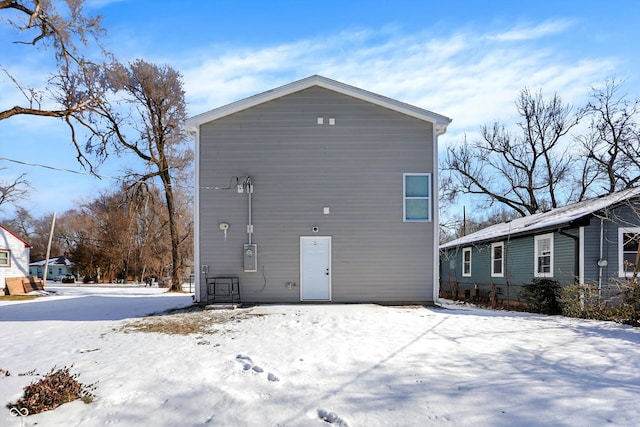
<point x="321" y="365"/>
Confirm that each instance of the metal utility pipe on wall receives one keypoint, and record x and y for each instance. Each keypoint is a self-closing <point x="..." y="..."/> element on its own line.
<point x="250" y="192"/>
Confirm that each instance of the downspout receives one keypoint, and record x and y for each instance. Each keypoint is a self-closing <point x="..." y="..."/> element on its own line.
<point x="576" y="257"/>
<point x="200" y="271"/>
<point x="600" y="263"/>
<point x="506" y="264"/>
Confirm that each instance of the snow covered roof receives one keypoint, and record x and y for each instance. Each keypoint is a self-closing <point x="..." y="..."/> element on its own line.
<point x="555" y="217"/>
<point x="440" y="122"/>
<point x="60" y="260"/>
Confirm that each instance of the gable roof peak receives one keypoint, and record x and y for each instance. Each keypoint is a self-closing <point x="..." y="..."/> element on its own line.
<point x="26" y="245"/>
<point x="439" y="121"/>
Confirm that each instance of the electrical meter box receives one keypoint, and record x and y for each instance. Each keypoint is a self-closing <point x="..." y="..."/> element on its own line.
<point x="250" y="257"/>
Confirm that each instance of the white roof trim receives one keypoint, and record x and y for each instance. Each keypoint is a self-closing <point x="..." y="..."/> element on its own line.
<point x="553" y="218"/>
<point x="440" y="122"/>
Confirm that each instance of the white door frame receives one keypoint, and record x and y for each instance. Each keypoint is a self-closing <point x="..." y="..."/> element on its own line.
<point x="329" y="272"/>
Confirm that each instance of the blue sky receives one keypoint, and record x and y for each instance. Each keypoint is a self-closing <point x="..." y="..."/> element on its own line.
<point x="464" y="59"/>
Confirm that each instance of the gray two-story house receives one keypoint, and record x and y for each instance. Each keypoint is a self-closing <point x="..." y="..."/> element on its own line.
<point x="317" y="191"/>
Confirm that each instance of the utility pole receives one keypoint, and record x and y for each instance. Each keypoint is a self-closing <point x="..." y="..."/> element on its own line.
<point x="46" y="261"/>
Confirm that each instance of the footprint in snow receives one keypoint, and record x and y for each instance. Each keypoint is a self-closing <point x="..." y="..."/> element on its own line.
<point x="243" y="357"/>
<point x="331" y="418"/>
<point x="247" y="364"/>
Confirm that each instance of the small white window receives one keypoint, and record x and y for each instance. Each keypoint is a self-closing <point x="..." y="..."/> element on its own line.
<point x="417" y="197"/>
<point x="5" y="259"/>
<point x="628" y="241"/>
<point x="543" y="250"/>
<point x="466" y="262"/>
<point x="497" y="259"/>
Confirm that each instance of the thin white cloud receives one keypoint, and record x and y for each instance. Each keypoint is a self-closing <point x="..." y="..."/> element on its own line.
<point x="523" y="32"/>
<point x="469" y="76"/>
<point x="98" y="4"/>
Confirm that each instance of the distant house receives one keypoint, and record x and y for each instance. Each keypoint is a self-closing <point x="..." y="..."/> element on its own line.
<point x="592" y="242"/>
<point x="14" y="256"/>
<point x="58" y="266"/>
<point x="317" y="191"/>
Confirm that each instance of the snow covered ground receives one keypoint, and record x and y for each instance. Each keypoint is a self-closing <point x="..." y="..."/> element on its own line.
<point x="320" y="365"/>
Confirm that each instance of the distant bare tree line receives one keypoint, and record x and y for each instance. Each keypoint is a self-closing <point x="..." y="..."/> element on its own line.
<point x="538" y="164"/>
<point x="119" y="235"/>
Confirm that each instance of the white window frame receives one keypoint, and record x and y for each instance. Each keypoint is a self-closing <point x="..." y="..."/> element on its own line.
<point x="464" y="262"/>
<point x="537" y="239"/>
<point x="622" y="272"/>
<point x="493" y="259"/>
<point x="8" y="263"/>
<point x="427" y="198"/>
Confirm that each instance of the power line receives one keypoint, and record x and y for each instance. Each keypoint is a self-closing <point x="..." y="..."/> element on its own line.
<point x="53" y="168"/>
<point x="190" y="187"/>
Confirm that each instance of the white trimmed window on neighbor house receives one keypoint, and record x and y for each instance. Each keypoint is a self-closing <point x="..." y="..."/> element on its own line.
<point x="543" y="250"/>
<point x="5" y="258"/>
<point x="628" y="241"/>
<point x="466" y="262"/>
<point x="417" y="197"/>
<point x="497" y="259"/>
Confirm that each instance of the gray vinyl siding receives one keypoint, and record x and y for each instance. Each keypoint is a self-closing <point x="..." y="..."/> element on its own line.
<point x="298" y="167"/>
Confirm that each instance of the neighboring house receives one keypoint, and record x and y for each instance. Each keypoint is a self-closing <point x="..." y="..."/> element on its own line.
<point x="590" y="242"/>
<point x="58" y="266"/>
<point x="317" y="191"/>
<point x="14" y="256"/>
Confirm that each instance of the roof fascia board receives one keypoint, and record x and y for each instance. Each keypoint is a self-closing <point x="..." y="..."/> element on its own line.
<point x="26" y="245"/>
<point x="440" y="122"/>
<point x="518" y="234"/>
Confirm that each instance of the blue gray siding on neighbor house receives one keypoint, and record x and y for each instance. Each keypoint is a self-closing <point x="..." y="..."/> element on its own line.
<point x="610" y="221"/>
<point x="592" y="249"/>
<point x="586" y="245"/>
<point x="519" y="263"/>
<point x="298" y="167"/>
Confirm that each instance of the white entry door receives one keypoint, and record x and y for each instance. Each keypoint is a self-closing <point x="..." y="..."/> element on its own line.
<point x="315" y="268"/>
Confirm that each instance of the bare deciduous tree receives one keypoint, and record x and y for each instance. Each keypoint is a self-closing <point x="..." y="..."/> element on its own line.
<point x="528" y="171"/>
<point x="146" y="120"/>
<point x="63" y="29"/>
<point x="612" y="145"/>
<point x="42" y="23"/>
<point x="14" y="190"/>
<point x="118" y="234"/>
<point x="22" y="223"/>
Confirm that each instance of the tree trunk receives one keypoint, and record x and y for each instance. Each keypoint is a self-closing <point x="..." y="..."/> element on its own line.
<point x="176" y="284"/>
